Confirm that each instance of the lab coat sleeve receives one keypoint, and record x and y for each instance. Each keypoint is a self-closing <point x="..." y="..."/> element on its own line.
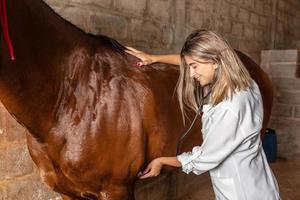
<point x="222" y="138"/>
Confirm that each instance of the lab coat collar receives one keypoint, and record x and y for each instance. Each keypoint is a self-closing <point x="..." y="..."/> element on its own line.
<point x="206" y="108"/>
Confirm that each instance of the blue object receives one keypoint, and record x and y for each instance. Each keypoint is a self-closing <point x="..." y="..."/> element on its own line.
<point x="270" y="145"/>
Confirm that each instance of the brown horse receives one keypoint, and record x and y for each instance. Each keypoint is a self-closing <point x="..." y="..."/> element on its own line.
<point x="94" y="120"/>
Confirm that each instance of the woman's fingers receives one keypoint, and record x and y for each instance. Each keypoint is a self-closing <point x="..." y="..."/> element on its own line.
<point x="148" y="175"/>
<point x="132" y="49"/>
<point x="132" y="52"/>
<point x="147" y="170"/>
<point x="153" y="169"/>
<point x="139" y="55"/>
<point x="145" y="58"/>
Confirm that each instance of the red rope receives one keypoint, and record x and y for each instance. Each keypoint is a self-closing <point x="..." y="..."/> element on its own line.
<point x="4" y="26"/>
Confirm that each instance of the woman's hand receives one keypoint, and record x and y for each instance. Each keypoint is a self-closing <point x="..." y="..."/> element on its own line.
<point x="153" y="169"/>
<point x="146" y="59"/>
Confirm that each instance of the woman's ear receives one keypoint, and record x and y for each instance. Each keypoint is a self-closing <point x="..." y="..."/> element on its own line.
<point x="216" y="66"/>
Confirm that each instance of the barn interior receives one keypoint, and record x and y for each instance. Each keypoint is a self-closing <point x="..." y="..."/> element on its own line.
<point x="268" y="31"/>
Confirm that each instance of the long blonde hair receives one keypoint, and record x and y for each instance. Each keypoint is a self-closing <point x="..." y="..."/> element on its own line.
<point x="230" y="75"/>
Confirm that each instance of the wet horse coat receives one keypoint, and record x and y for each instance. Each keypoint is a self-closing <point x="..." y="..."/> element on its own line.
<point x="94" y="120"/>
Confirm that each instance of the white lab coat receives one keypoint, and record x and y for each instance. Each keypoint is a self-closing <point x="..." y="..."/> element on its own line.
<point x="232" y="150"/>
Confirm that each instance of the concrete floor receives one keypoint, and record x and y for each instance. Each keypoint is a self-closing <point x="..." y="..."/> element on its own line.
<point x="287" y="173"/>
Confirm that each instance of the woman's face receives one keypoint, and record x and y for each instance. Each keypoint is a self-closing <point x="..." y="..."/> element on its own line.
<point x="201" y="70"/>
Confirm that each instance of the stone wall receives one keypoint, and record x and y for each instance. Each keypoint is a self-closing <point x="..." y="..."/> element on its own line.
<point x="19" y="179"/>
<point x="161" y="26"/>
<point x="288" y="25"/>
<point x="284" y="69"/>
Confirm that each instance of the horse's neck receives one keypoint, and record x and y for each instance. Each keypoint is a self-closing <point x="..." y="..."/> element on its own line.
<point x="30" y="84"/>
<point x="34" y="25"/>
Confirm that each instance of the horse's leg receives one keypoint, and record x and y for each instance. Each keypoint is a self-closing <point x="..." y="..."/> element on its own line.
<point x="40" y="157"/>
<point x="114" y="192"/>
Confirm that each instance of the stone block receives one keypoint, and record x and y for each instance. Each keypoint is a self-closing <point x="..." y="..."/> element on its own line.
<point x="254" y="19"/>
<point x="92" y="3"/>
<point x="113" y="26"/>
<point x="289" y="55"/>
<point x="146" y="33"/>
<point x="61" y="4"/>
<point x="160" y="10"/>
<point x="280" y="27"/>
<point x="208" y="6"/>
<point x="263" y="21"/>
<point x="11" y="130"/>
<point x="259" y="6"/>
<point x="15" y="162"/>
<point x="195" y="18"/>
<point x="78" y="16"/>
<point x="179" y="22"/>
<point x="259" y="34"/>
<point x="265" y="60"/>
<point x="283" y="70"/>
<point x="134" y="7"/>
<point x="250" y="45"/>
<point x="221" y="8"/>
<point x="243" y="15"/>
<point x="233" y="11"/>
<point x="288" y="136"/>
<point x="167" y="35"/>
<point x="3" y="195"/>
<point x="255" y="56"/>
<point x="29" y="188"/>
<point x="56" y="3"/>
<point x="297" y="112"/>
<point x="2" y="127"/>
<point x="296" y="22"/>
<point x="237" y="29"/>
<point x="294" y="10"/>
<point x="282" y="84"/>
<point x="267" y="10"/>
<point x="281" y="4"/>
<point x="209" y="23"/>
<point x="249" y="32"/>
<point x="282" y="110"/>
<point x="233" y="41"/>
<point x="288" y="97"/>
<point x="249" y="4"/>
<point x="225" y="25"/>
<point x="294" y="32"/>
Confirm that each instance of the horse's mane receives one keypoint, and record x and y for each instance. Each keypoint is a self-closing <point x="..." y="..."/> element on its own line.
<point x="110" y="42"/>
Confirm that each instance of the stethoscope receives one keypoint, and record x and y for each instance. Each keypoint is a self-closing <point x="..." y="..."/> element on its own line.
<point x="198" y="113"/>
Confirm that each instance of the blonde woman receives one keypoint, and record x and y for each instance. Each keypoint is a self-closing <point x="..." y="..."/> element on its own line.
<point x="213" y="79"/>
